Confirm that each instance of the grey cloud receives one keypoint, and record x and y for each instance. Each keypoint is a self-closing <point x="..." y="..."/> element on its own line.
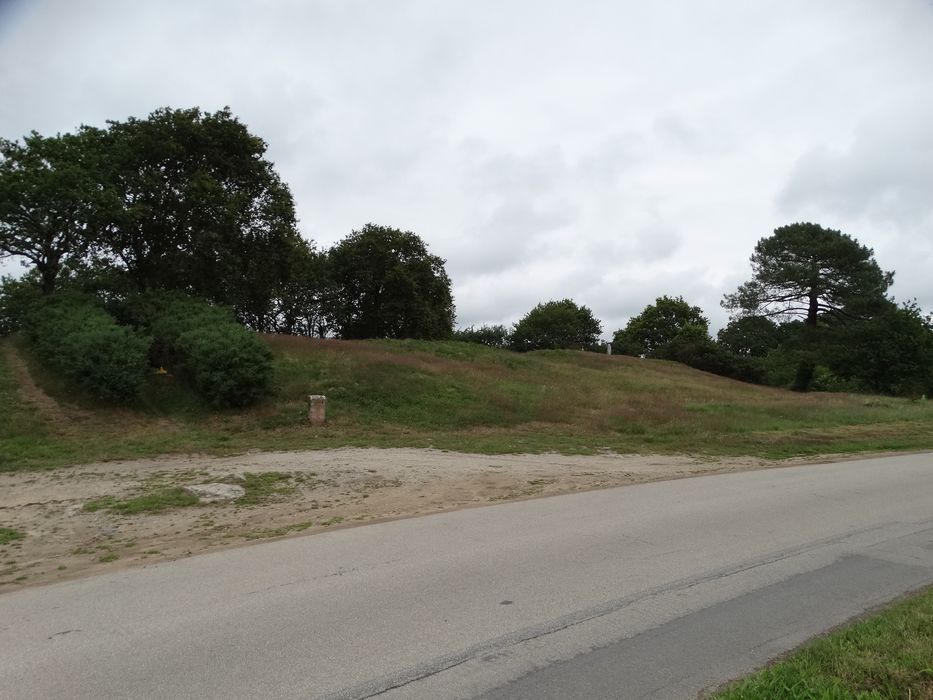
<point x="656" y="243"/>
<point x="606" y="151"/>
<point x="510" y="236"/>
<point x="885" y="174"/>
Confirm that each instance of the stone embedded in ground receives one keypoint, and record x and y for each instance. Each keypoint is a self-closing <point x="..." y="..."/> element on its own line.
<point x="212" y="493"/>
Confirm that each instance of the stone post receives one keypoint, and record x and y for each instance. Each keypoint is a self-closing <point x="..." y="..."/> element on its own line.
<point x="317" y="409"/>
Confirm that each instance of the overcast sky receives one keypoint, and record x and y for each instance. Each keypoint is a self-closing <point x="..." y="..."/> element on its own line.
<point x="609" y="152"/>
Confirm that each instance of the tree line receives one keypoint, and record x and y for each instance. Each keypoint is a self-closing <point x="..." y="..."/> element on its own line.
<point x="186" y="202"/>
<point x="814" y="315"/>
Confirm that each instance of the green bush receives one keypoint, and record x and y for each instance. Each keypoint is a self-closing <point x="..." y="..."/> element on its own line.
<point x="19" y="298"/>
<point x="227" y="364"/>
<point x="224" y="362"/>
<point x="709" y="356"/>
<point x="493" y="336"/>
<point x="556" y="325"/>
<point x="80" y="341"/>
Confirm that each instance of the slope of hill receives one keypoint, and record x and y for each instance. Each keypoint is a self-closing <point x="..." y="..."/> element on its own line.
<point x="454" y="396"/>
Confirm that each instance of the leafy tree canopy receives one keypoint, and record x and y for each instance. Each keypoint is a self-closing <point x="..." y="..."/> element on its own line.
<point x="19" y="298"/>
<point x="50" y="200"/>
<point x="385" y="284"/>
<point x="660" y="324"/>
<point x="891" y="353"/>
<point x="556" y="325"/>
<point x="750" y="336"/>
<point x="197" y="207"/>
<point x="306" y="303"/>
<point x="804" y="270"/>
<point x="181" y="200"/>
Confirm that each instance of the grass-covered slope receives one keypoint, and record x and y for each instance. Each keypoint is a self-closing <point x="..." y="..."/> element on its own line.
<point x="455" y="396"/>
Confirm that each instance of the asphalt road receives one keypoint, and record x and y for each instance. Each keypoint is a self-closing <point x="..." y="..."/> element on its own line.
<point x="652" y="591"/>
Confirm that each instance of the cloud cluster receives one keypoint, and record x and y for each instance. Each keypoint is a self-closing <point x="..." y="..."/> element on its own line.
<point x="605" y="151"/>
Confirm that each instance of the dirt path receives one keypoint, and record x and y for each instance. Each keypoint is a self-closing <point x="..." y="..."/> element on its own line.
<point x="32" y="393"/>
<point x="72" y="526"/>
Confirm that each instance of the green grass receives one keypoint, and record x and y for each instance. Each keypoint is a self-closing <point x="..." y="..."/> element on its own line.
<point x="263" y="487"/>
<point x="884" y="657"/>
<point x="25" y="437"/>
<point x="153" y="502"/>
<point x="459" y="396"/>
<point x="8" y="534"/>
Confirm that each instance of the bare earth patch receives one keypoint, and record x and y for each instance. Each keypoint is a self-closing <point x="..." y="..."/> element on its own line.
<point x="82" y="520"/>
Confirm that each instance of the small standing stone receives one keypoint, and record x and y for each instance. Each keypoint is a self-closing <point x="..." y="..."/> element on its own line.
<point x="317" y="409"/>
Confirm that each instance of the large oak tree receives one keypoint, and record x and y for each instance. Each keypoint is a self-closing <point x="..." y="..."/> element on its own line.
<point x="50" y="201"/>
<point x="198" y="208"/>
<point x="180" y="200"/>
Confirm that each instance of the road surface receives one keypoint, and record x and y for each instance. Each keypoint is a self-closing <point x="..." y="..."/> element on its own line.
<point x="652" y="591"/>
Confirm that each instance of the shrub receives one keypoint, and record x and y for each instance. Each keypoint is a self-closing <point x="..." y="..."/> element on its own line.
<point x="493" y="336"/>
<point x="83" y="343"/>
<point x="224" y="362"/>
<point x="19" y="298"/>
<point x="170" y="316"/>
<point x="699" y="352"/>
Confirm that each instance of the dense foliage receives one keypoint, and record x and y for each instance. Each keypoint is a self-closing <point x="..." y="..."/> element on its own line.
<point x="181" y="200"/>
<point x="495" y="336"/>
<point x="84" y="344"/>
<point x="750" y="336"/>
<point x="225" y="363"/>
<point x="668" y="320"/>
<point x="52" y="203"/>
<point x="839" y="330"/>
<point x="807" y="271"/>
<point x="387" y="285"/>
<point x="196" y="207"/>
<point x="185" y="203"/>
<point x="556" y="325"/>
<point x="890" y="353"/>
<point x="19" y="298"/>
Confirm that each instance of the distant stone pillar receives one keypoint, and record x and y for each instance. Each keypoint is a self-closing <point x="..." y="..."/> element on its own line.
<point x="608" y="348"/>
<point x="317" y="409"/>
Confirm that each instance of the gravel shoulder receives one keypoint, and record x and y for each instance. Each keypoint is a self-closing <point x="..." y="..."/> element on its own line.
<point x="73" y="525"/>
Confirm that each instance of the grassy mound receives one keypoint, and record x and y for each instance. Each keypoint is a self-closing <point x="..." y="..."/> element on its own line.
<point x="461" y="396"/>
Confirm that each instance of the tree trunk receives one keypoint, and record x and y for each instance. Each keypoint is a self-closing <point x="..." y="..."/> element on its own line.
<point x="49" y="274"/>
<point x="814" y="307"/>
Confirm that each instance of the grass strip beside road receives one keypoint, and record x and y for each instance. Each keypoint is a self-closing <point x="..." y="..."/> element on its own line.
<point x="886" y="656"/>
